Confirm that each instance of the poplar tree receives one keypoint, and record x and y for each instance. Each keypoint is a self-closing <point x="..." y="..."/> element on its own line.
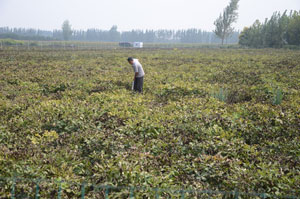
<point x="225" y="21"/>
<point x="66" y="29"/>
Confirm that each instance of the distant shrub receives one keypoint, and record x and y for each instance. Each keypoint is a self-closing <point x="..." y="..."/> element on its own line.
<point x="11" y="42"/>
<point x="33" y="44"/>
<point x="291" y="47"/>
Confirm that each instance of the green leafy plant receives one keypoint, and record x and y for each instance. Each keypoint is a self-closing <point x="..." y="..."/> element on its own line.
<point x="278" y="97"/>
<point x="221" y="95"/>
<point x="70" y="114"/>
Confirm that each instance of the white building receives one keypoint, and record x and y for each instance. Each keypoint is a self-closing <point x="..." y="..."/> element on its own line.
<point x="138" y="44"/>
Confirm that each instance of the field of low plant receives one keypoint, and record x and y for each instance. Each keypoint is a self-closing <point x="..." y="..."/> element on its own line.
<point x="208" y="119"/>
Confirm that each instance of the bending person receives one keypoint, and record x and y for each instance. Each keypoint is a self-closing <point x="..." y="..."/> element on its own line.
<point x="138" y="74"/>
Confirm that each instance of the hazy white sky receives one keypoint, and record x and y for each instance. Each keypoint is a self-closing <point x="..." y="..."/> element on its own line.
<point x="133" y="14"/>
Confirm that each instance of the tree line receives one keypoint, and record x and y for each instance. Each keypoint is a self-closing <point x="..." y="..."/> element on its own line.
<point x="278" y="31"/>
<point x="114" y="35"/>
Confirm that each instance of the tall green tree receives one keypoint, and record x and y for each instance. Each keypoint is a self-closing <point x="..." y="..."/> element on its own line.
<point x="293" y="29"/>
<point x="278" y="31"/>
<point x="225" y="21"/>
<point x="67" y="30"/>
<point x="275" y="30"/>
<point x="252" y="36"/>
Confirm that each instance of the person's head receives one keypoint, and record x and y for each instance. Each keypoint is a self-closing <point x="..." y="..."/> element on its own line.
<point x="130" y="60"/>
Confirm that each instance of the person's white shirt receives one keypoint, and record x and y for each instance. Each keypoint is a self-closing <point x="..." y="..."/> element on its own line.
<point x="138" y="68"/>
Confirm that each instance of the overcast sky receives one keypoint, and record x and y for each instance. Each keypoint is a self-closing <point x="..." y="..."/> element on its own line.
<point x="133" y="14"/>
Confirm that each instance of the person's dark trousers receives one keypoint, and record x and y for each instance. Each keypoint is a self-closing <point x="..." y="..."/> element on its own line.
<point x="138" y="84"/>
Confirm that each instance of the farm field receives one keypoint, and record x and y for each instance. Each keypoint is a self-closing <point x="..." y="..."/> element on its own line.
<point x="209" y="119"/>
